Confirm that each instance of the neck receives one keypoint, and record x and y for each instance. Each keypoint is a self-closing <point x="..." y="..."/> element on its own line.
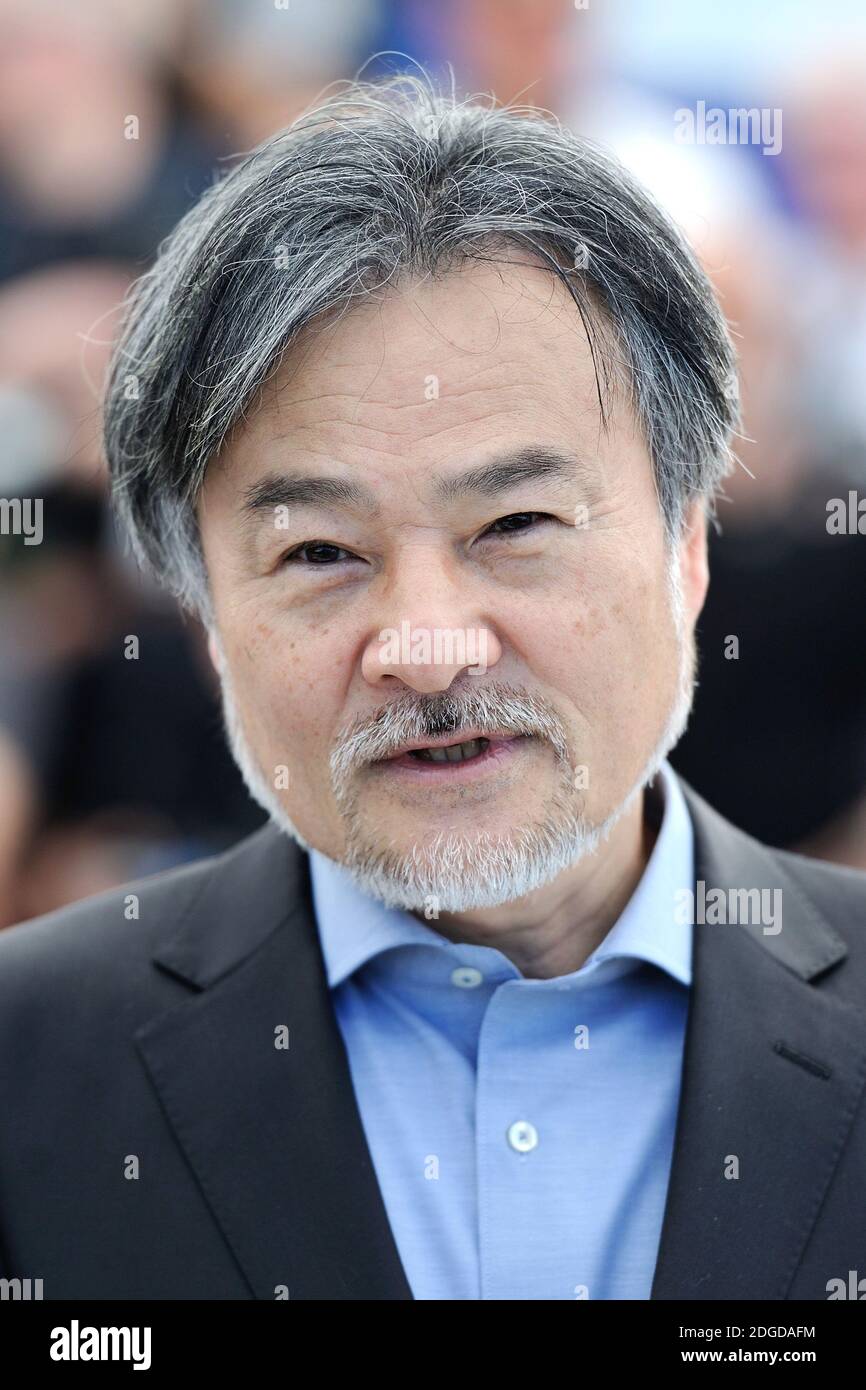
<point x="553" y="930"/>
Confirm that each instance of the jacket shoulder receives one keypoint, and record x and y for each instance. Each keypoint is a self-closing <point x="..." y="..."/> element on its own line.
<point x="822" y="906"/>
<point x="833" y="888"/>
<point x="839" y="892"/>
<point x="114" y="930"/>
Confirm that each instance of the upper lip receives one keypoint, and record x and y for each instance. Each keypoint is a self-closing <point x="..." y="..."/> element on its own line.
<point x="446" y="739"/>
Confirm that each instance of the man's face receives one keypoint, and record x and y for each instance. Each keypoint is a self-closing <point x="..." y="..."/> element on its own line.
<point x="483" y="559"/>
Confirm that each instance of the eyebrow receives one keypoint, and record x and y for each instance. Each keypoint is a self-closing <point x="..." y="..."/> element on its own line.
<point x="296" y="490"/>
<point x="541" y="463"/>
<point x="508" y="470"/>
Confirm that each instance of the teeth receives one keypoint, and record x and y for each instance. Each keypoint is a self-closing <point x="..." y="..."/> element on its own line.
<point x="452" y="753"/>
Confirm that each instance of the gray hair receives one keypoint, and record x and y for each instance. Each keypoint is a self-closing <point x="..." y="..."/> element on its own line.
<point x="380" y="180"/>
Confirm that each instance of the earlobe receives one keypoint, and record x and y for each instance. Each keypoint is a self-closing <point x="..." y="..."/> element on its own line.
<point x="214" y="651"/>
<point x="694" y="558"/>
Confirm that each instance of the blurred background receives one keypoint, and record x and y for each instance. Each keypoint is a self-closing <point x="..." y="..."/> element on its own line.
<point x="115" y="116"/>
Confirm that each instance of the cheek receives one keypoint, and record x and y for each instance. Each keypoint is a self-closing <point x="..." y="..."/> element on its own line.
<point x="287" y="689"/>
<point x="607" y="644"/>
<point x="644" y="667"/>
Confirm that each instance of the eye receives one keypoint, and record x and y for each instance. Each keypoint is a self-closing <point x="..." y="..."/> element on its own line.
<point x="319" y="553"/>
<point x="516" y="523"/>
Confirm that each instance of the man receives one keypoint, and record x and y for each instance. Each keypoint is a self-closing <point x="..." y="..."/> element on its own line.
<point x="423" y="410"/>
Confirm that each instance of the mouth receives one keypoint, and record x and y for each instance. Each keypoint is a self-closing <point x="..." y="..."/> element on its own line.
<point x="452" y="759"/>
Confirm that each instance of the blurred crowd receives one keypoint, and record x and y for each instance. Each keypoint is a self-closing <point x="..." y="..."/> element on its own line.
<point x="114" y="118"/>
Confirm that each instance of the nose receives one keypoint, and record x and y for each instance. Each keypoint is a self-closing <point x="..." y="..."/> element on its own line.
<point x="430" y="629"/>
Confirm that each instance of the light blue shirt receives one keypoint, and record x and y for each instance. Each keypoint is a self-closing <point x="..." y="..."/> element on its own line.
<point x="521" y="1129"/>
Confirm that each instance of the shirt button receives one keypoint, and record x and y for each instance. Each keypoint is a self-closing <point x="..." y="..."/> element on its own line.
<point x="466" y="977"/>
<point x="522" y="1136"/>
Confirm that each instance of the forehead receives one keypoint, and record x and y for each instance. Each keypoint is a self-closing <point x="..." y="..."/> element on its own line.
<point x="435" y="369"/>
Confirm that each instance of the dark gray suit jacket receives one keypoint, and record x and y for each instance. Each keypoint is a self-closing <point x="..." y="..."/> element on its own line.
<point x="153" y="1039"/>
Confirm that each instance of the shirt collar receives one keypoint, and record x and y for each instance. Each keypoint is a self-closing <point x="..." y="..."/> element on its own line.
<point x="354" y="928"/>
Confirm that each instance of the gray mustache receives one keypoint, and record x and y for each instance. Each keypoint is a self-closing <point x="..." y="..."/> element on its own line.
<point x="509" y="709"/>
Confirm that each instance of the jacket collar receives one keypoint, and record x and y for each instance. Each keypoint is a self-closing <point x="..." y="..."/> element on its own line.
<point x="276" y="1141"/>
<point x="272" y="1134"/>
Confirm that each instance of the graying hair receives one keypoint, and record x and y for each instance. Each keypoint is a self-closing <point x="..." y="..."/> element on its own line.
<point x="381" y="180"/>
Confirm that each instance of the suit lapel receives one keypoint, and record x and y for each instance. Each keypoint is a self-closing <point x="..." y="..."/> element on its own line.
<point x="772" y="1073"/>
<point x="273" y="1135"/>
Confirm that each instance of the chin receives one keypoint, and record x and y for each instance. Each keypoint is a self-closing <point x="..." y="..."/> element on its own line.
<point x="451" y="872"/>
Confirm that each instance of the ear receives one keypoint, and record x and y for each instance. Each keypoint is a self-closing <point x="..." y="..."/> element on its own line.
<point x="214" y="652"/>
<point x="694" y="565"/>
